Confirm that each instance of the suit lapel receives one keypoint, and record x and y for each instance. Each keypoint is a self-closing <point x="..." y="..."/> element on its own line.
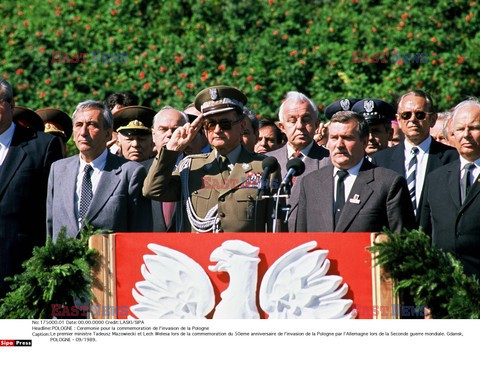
<point x="472" y="194"/>
<point x="68" y="187"/>
<point x="13" y="160"/>
<point x="106" y="186"/>
<point x="325" y="195"/>
<point x="453" y="179"/>
<point x="359" y="194"/>
<point x="398" y="159"/>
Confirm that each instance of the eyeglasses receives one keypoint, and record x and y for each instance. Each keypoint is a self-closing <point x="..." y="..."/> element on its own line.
<point x="419" y="115"/>
<point x="225" y="124"/>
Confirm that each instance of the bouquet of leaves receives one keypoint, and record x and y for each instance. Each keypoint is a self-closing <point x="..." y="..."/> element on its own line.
<point x="57" y="273"/>
<point x="432" y="277"/>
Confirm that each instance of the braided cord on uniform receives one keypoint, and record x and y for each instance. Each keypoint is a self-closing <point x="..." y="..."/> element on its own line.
<point x="207" y="224"/>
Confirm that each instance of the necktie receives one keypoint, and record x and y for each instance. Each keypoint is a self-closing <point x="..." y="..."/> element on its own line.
<point x="340" y="200"/>
<point x="224" y="167"/>
<point x="411" y="176"/>
<point x="300" y="156"/>
<point x="86" y="193"/>
<point x="467" y="179"/>
<point x="168" y="207"/>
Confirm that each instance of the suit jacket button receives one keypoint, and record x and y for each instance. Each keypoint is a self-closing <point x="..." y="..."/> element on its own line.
<point x="222" y="215"/>
<point x="222" y="199"/>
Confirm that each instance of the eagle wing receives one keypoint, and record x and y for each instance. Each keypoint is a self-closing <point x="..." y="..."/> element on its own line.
<point x="296" y="286"/>
<point x="174" y="286"/>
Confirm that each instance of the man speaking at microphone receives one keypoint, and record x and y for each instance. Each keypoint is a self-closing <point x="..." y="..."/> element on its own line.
<point x="219" y="189"/>
<point x="352" y="194"/>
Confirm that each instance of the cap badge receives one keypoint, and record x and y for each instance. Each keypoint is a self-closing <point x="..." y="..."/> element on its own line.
<point x="345" y="103"/>
<point x="368" y="106"/>
<point x="213" y="94"/>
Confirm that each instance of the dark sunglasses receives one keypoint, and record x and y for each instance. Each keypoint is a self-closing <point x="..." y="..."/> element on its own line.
<point x="225" y="124"/>
<point x="419" y="115"/>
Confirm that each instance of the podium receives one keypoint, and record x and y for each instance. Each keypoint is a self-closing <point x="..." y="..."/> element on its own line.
<point x="122" y="257"/>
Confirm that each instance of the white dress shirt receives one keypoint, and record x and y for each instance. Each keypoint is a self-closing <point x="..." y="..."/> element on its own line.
<point x="422" y="161"/>
<point x="305" y="151"/>
<point x="98" y="165"/>
<point x="348" y="181"/>
<point x="463" y="172"/>
<point x="5" y="141"/>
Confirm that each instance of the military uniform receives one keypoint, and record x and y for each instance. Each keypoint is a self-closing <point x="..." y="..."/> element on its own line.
<point x="235" y="195"/>
<point x="217" y="197"/>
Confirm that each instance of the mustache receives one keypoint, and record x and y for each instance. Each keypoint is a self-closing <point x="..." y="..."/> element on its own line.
<point x="340" y="151"/>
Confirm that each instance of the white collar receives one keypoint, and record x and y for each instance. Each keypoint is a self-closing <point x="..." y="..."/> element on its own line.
<point x="351" y="171"/>
<point x="7" y="136"/>
<point x="98" y="163"/>
<point x="304" y="151"/>
<point x="424" y="146"/>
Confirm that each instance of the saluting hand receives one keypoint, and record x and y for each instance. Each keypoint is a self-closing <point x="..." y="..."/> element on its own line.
<point x="184" y="135"/>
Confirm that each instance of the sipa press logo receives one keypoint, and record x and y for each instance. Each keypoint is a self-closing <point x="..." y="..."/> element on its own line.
<point x="15" y="342"/>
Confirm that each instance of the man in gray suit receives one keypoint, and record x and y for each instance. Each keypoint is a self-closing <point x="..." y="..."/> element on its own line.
<point x="96" y="186"/>
<point x="298" y="117"/>
<point x="352" y="194"/>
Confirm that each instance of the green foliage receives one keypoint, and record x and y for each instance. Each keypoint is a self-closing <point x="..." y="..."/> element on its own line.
<point x="56" y="273"/>
<point x="266" y="48"/>
<point x="433" y="277"/>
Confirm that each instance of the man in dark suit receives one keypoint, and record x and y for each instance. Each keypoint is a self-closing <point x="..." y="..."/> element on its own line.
<point x="298" y="117"/>
<point x="25" y="159"/>
<point x="352" y="195"/>
<point x="418" y="154"/>
<point x="166" y="215"/>
<point x="96" y="186"/>
<point x="451" y="207"/>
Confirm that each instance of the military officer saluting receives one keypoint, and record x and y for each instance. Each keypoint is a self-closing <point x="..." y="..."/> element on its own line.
<point x="218" y="189"/>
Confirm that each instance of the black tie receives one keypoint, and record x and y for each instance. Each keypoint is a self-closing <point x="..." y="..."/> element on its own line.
<point x="87" y="192"/>
<point x="340" y="201"/>
<point x="469" y="167"/>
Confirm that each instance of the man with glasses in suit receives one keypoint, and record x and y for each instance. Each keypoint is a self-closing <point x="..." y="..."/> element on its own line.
<point x="418" y="154"/>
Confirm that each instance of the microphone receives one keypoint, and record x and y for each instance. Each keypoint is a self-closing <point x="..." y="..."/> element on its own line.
<point x="295" y="167"/>
<point x="269" y="165"/>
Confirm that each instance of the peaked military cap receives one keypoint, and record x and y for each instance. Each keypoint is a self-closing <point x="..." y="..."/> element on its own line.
<point x="375" y="110"/>
<point x="345" y="104"/>
<point x="141" y="116"/>
<point x="56" y="122"/>
<point x="219" y="99"/>
<point x="26" y="117"/>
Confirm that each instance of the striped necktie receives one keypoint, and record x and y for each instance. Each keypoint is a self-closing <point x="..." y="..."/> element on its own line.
<point x="411" y="177"/>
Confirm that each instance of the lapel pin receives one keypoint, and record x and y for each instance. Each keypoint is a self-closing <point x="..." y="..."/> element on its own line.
<point x="245" y="166"/>
<point x="355" y="199"/>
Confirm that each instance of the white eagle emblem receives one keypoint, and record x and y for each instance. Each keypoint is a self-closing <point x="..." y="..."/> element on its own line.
<point x="368" y="105"/>
<point x="345" y="103"/>
<point x="213" y="94"/>
<point x="295" y="286"/>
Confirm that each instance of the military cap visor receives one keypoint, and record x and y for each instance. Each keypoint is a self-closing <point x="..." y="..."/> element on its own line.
<point x="56" y="122"/>
<point x="26" y="117"/>
<point x="134" y="127"/>
<point x="220" y="99"/>
<point x="125" y="115"/>
<point x="345" y="104"/>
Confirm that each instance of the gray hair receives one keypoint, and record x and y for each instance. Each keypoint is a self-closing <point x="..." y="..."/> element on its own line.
<point x="419" y="93"/>
<point x="297" y="97"/>
<point x="472" y="101"/>
<point x="6" y="90"/>
<point x="344" y="117"/>
<point x="445" y="117"/>
<point x="94" y="105"/>
<point x="166" y="108"/>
